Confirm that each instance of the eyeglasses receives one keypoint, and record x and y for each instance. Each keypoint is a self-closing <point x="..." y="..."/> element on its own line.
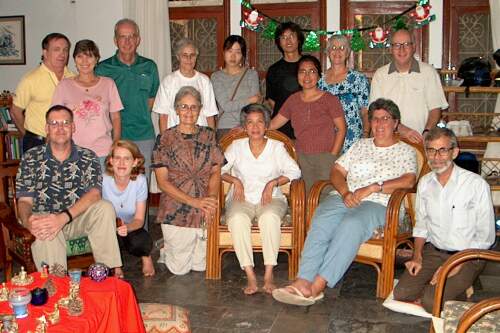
<point x="337" y="48"/>
<point x="188" y="56"/>
<point x="64" y="123"/>
<point x="290" y="37"/>
<point x="307" y="72"/>
<point x="382" y="120"/>
<point x="127" y="37"/>
<point x="443" y="151"/>
<point x="185" y="107"/>
<point x="404" y="45"/>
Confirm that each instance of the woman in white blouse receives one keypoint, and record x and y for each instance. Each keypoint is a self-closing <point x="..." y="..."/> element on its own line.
<point x="364" y="178"/>
<point x="256" y="167"/>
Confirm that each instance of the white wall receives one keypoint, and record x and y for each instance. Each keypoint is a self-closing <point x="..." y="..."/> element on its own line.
<point x="77" y="19"/>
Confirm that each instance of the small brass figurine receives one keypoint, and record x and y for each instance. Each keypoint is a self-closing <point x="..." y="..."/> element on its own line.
<point x="54" y="316"/>
<point x="73" y="303"/>
<point x="45" y="271"/>
<point x="22" y="279"/>
<point x="50" y="286"/>
<point x="42" y="325"/>
<point x="8" y="324"/>
<point x="57" y="270"/>
<point x="4" y="293"/>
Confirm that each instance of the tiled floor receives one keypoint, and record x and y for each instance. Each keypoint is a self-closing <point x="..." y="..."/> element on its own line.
<point x="221" y="306"/>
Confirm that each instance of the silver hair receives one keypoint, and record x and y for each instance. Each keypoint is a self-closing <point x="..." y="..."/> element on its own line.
<point x="410" y="33"/>
<point x="127" y="21"/>
<point x="341" y="38"/>
<point x="182" y="43"/>
<point x="258" y="108"/>
<point x="187" y="90"/>
<point x="437" y="133"/>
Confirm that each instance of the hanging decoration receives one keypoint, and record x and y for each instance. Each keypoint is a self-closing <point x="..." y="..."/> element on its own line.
<point x="422" y="15"/>
<point x="252" y="20"/>
<point x="311" y="44"/>
<point x="380" y="38"/>
<point x="357" y="42"/>
<point x="414" y="17"/>
<point x="270" y="30"/>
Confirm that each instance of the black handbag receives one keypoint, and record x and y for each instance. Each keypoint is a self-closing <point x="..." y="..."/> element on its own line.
<point x="475" y="71"/>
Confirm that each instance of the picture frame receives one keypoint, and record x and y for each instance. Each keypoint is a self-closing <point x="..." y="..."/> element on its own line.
<point x="12" y="40"/>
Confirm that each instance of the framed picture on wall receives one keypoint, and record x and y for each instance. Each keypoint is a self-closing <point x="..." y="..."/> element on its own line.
<point x="12" y="40"/>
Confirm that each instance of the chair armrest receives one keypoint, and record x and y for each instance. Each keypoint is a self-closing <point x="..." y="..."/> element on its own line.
<point x="10" y="222"/>
<point x="452" y="262"/>
<point x="476" y="312"/>
<point x="297" y="207"/>
<point x="393" y="210"/>
<point x="313" y="199"/>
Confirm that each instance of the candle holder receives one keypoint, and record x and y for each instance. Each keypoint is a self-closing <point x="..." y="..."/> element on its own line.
<point x="4" y="293"/>
<point x="8" y="324"/>
<point x="18" y="300"/>
<point x="22" y="279"/>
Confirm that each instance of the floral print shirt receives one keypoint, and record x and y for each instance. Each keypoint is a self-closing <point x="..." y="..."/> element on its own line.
<point x="353" y="93"/>
<point x="189" y="159"/>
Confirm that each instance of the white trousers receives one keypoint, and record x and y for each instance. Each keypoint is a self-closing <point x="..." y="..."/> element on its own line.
<point x="239" y="216"/>
<point x="184" y="249"/>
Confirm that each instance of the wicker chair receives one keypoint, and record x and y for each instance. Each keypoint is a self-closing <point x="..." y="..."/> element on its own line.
<point x="16" y="240"/>
<point x="465" y="316"/>
<point x="380" y="250"/>
<point x="292" y="230"/>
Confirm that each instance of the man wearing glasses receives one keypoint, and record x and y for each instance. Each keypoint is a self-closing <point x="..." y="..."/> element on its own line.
<point x="137" y="80"/>
<point x="413" y="85"/>
<point x="58" y="187"/>
<point x="454" y="212"/>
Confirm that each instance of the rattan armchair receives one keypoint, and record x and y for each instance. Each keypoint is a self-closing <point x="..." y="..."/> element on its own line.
<point x="292" y="230"/>
<point x="475" y="312"/>
<point x="380" y="250"/>
<point x="16" y="240"/>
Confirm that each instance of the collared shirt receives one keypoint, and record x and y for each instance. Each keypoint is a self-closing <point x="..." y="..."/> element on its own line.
<point x="416" y="93"/>
<point x="457" y="216"/>
<point x="136" y="84"/>
<point x="34" y="94"/>
<point x="54" y="185"/>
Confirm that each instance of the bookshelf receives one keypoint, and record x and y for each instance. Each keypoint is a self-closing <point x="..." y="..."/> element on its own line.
<point x="10" y="138"/>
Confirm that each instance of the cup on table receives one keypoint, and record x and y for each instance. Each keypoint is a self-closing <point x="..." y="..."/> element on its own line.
<point x="18" y="300"/>
<point x="75" y="274"/>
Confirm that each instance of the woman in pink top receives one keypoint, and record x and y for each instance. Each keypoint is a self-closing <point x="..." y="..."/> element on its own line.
<point x="94" y="100"/>
<point x="318" y="121"/>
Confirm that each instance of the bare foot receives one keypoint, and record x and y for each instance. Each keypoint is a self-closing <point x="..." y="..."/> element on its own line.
<point x="251" y="287"/>
<point x="148" y="268"/>
<point x="303" y="285"/>
<point x="119" y="273"/>
<point x="269" y="285"/>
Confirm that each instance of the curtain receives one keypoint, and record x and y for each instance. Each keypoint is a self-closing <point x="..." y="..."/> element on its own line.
<point x="493" y="149"/>
<point x="152" y="18"/>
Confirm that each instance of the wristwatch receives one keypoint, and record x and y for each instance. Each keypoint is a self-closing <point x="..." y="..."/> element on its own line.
<point x="380" y="186"/>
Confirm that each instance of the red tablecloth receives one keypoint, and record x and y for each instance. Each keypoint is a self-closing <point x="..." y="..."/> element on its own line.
<point x="109" y="306"/>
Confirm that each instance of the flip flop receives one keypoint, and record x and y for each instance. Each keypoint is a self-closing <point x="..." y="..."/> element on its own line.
<point x="283" y="295"/>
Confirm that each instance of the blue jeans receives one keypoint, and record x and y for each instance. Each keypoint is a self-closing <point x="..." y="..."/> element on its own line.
<point x="335" y="236"/>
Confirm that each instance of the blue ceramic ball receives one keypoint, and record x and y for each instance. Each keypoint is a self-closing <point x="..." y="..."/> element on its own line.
<point x="98" y="272"/>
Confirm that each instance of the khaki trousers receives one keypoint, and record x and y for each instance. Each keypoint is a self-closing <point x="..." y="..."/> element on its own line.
<point x="98" y="224"/>
<point x="411" y="288"/>
<point x="239" y="216"/>
<point x="315" y="167"/>
<point x="184" y="249"/>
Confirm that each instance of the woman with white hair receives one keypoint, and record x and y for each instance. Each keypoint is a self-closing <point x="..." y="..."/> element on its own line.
<point x="350" y="86"/>
<point x="187" y="164"/>
<point x="187" y="53"/>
